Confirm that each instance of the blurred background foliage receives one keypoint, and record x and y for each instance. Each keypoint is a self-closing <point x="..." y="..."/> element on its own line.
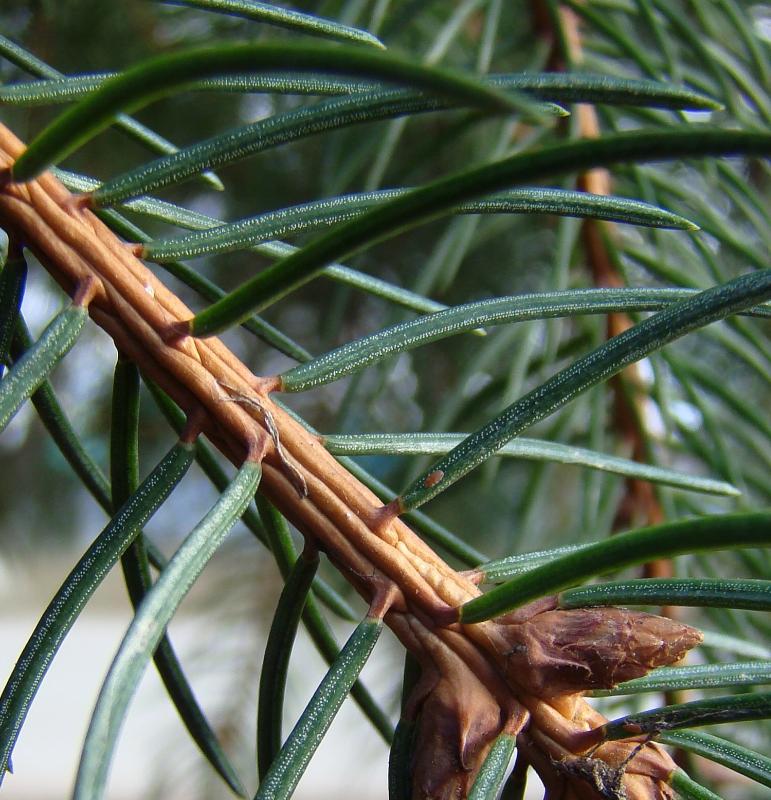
<point x="702" y="403"/>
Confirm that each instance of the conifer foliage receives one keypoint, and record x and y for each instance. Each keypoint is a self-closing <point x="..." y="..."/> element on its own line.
<point x="496" y="307"/>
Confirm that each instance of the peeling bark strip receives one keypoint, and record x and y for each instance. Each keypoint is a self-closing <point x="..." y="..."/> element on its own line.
<point x="520" y="674"/>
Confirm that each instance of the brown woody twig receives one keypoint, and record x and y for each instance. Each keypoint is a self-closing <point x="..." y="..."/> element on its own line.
<point x="524" y="673"/>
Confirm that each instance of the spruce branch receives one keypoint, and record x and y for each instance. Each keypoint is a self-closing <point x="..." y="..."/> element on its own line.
<point x="522" y="674"/>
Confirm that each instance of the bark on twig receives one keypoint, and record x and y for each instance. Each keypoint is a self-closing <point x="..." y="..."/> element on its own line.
<point x="527" y="669"/>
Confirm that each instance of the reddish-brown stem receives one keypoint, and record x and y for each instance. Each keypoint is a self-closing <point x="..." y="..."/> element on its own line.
<point x="477" y="680"/>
